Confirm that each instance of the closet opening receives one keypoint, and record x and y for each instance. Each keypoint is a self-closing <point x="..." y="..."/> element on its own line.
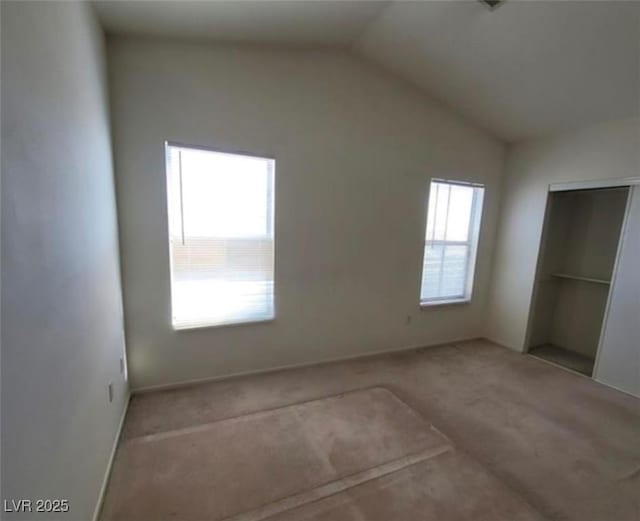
<point x="577" y="258"/>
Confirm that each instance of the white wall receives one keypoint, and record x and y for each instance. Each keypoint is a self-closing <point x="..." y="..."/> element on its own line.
<point x="355" y="150"/>
<point x="62" y="334"/>
<point x="618" y="362"/>
<point x="606" y="151"/>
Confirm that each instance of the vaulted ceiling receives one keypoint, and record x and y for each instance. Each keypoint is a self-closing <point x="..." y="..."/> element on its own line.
<point x="291" y="22"/>
<point x="525" y="69"/>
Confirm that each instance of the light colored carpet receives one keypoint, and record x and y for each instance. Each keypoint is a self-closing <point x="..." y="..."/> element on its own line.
<point x="351" y="456"/>
<point x="448" y="487"/>
<point x="565" y="444"/>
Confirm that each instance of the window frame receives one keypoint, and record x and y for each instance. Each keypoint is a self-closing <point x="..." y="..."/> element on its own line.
<point x="271" y="223"/>
<point x="473" y="239"/>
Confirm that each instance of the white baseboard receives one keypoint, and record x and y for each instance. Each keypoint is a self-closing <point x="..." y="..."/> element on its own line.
<point x="581" y="375"/>
<point x="210" y="379"/>
<point x="107" y="473"/>
<point x="628" y="393"/>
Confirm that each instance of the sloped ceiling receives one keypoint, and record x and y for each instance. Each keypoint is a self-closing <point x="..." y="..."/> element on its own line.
<point x="525" y="69"/>
<point x="291" y="22"/>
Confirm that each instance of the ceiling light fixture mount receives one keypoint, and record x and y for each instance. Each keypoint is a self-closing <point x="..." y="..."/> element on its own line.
<point x="492" y="4"/>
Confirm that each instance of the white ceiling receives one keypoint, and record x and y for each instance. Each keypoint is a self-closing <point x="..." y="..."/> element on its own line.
<point x="525" y="69"/>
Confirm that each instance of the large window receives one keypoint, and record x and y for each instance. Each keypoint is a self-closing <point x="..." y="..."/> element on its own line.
<point x="453" y="223"/>
<point x="221" y="237"/>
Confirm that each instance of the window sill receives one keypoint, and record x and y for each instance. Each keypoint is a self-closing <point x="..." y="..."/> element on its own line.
<point x="182" y="329"/>
<point x="452" y="302"/>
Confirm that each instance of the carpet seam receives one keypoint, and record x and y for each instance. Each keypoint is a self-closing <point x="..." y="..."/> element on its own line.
<point x="204" y="426"/>
<point x="336" y="486"/>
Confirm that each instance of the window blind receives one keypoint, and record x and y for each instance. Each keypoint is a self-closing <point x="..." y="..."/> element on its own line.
<point x="453" y="222"/>
<point x="221" y="237"/>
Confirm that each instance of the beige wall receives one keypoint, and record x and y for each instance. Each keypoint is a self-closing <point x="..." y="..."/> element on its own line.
<point x="355" y="150"/>
<point x="62" y="331"/>
<point x="606" y="151"/>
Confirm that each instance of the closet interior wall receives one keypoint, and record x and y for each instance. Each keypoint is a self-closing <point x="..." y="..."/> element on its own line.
<point x="579" y="249"/>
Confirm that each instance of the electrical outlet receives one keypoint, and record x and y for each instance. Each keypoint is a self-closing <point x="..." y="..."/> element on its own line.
<point x="408" y="319"/>
<point x="110" y="390"/>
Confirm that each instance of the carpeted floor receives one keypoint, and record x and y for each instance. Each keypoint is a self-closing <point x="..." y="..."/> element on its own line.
<point x="460" y="432"/>
<point x="564" y="358"/>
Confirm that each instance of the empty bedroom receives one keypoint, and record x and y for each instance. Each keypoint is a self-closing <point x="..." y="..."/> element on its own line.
<point x="344" y="260"/>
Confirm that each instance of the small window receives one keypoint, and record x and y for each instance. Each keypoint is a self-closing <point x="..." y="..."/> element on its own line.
<point x="453" y="223"/>
<point x="221" y="237"/>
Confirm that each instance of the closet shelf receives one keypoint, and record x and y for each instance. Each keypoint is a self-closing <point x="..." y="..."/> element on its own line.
<point x="583" y="279"/>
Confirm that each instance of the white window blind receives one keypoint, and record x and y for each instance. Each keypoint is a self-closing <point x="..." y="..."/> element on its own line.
<point x="453" y="223"/>
<point x="221" y="237"/>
